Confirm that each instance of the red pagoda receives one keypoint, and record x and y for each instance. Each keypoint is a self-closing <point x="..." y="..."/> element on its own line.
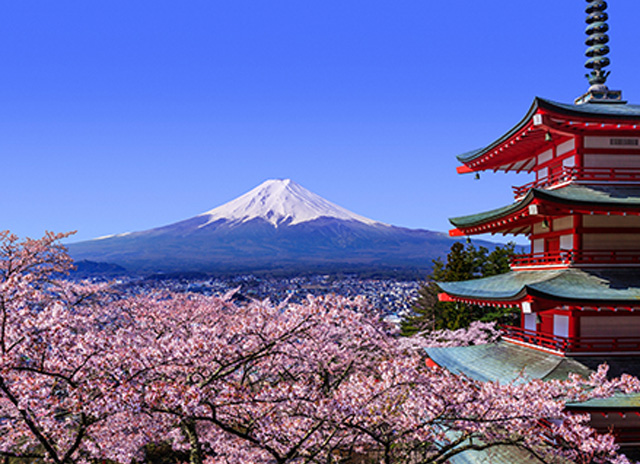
<point x="578" y="287"/>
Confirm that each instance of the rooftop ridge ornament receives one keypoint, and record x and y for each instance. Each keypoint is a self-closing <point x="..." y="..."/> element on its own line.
<point x="597" y="52"/>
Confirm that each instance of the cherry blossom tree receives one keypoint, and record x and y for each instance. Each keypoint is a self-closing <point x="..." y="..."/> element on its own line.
<point x="86" y="373"/>
<point x="324" y="381"/>
<point x="61" y="381"/>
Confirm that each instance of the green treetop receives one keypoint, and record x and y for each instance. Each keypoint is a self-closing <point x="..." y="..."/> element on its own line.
<point x="463" y="263"/>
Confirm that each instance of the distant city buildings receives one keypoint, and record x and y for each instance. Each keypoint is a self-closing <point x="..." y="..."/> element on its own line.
<point x="392" y="298"/>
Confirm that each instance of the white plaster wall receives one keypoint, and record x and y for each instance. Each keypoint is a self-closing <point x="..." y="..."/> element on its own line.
<point x="565" y="147"/>
<point x="611" y="161"/>
<point x="566" y="242"/>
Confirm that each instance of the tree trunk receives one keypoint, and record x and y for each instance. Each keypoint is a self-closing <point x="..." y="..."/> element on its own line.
<point x="191" y="434"/>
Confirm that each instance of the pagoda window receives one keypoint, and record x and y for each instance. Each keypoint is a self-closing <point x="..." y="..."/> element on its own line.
<point x="566" y="147"/>
<point x="560" y="325"/>
<point x="530" y="322"/>
<point x="537" y="245"/>
<point x="542" y="173"/>
<point x="566" y="242"/>
<point x="569" y="162"/>
<point x="545" y="156"/>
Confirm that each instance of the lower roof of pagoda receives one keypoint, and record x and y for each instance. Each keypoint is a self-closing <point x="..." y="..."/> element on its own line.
<point x="507" y="362"/>
<point x="517" y="218"/>
<point x="587" y="287"/>
<point x="516" y="150"/>
<point x="500" y="454"/>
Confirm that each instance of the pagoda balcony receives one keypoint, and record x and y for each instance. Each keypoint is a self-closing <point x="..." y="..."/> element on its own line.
<point x="571" y="345"/>
<point x="575" y="174"/>
<point x="578" y="258"/>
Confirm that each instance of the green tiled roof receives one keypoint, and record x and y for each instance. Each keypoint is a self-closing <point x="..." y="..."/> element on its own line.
<point x="574" y="194"/>
<point x="616" y="402"/>
<point x="504" y="362"/>
<point x="607" y="110"/>
<point x="601" y="195"/>
<point x="496" y="455"/>
<point x="597" y="110"/>
<point x="578" y="285"/>
<point x="480" y="218"/>
<point x="507" y="286"/>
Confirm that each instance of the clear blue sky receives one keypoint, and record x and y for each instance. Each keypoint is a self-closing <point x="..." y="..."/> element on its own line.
<point x="119" y="115"/>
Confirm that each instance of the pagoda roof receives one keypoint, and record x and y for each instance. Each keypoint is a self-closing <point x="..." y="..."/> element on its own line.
<point x="505" y="362"/>
<point x="618" y="402"/>
<point x="527" y="137"/>
<point x="590" y="197"/>
<point x="601" y="195"/>
<point x="599" y="110"/>
<point x="599" y="286"/>
<point x="501" y="454"/>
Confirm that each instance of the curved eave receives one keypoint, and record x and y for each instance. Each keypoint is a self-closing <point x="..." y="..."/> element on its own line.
<point x="590" y="288"/>
<point x="515" y="149"/>
<point x="472" y="155"/>
<point x="483" y="219"/>
<point x="509" y="287"/>
<point x="518" y="217"/>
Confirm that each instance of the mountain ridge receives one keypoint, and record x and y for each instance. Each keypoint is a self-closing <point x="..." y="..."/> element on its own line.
<point x="276" y="225"/>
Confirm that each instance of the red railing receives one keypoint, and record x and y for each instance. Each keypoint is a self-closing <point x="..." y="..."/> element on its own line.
<point x="570" y="257"/>
<point x="631" y="175"/>
<point x="541" y="259"/>
<point x="572" y="344"/>
<point x="566" y="175"/>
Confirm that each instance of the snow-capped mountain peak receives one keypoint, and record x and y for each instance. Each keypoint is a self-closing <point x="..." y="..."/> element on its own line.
<point x="281" y="200"/>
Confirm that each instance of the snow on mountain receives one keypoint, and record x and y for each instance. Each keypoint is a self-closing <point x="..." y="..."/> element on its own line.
<point x="278" y="226"/>
<point x="281" y="201"/>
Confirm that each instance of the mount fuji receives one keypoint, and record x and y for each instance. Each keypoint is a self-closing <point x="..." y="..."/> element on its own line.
<point x="278" y="226"/>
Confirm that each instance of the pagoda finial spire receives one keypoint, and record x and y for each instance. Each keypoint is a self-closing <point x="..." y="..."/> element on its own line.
<point x="597" y="52"/>
<point x="597" y="41"/>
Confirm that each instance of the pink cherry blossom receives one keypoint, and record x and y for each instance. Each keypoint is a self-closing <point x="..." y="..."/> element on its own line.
<point x="87" y="373"/>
